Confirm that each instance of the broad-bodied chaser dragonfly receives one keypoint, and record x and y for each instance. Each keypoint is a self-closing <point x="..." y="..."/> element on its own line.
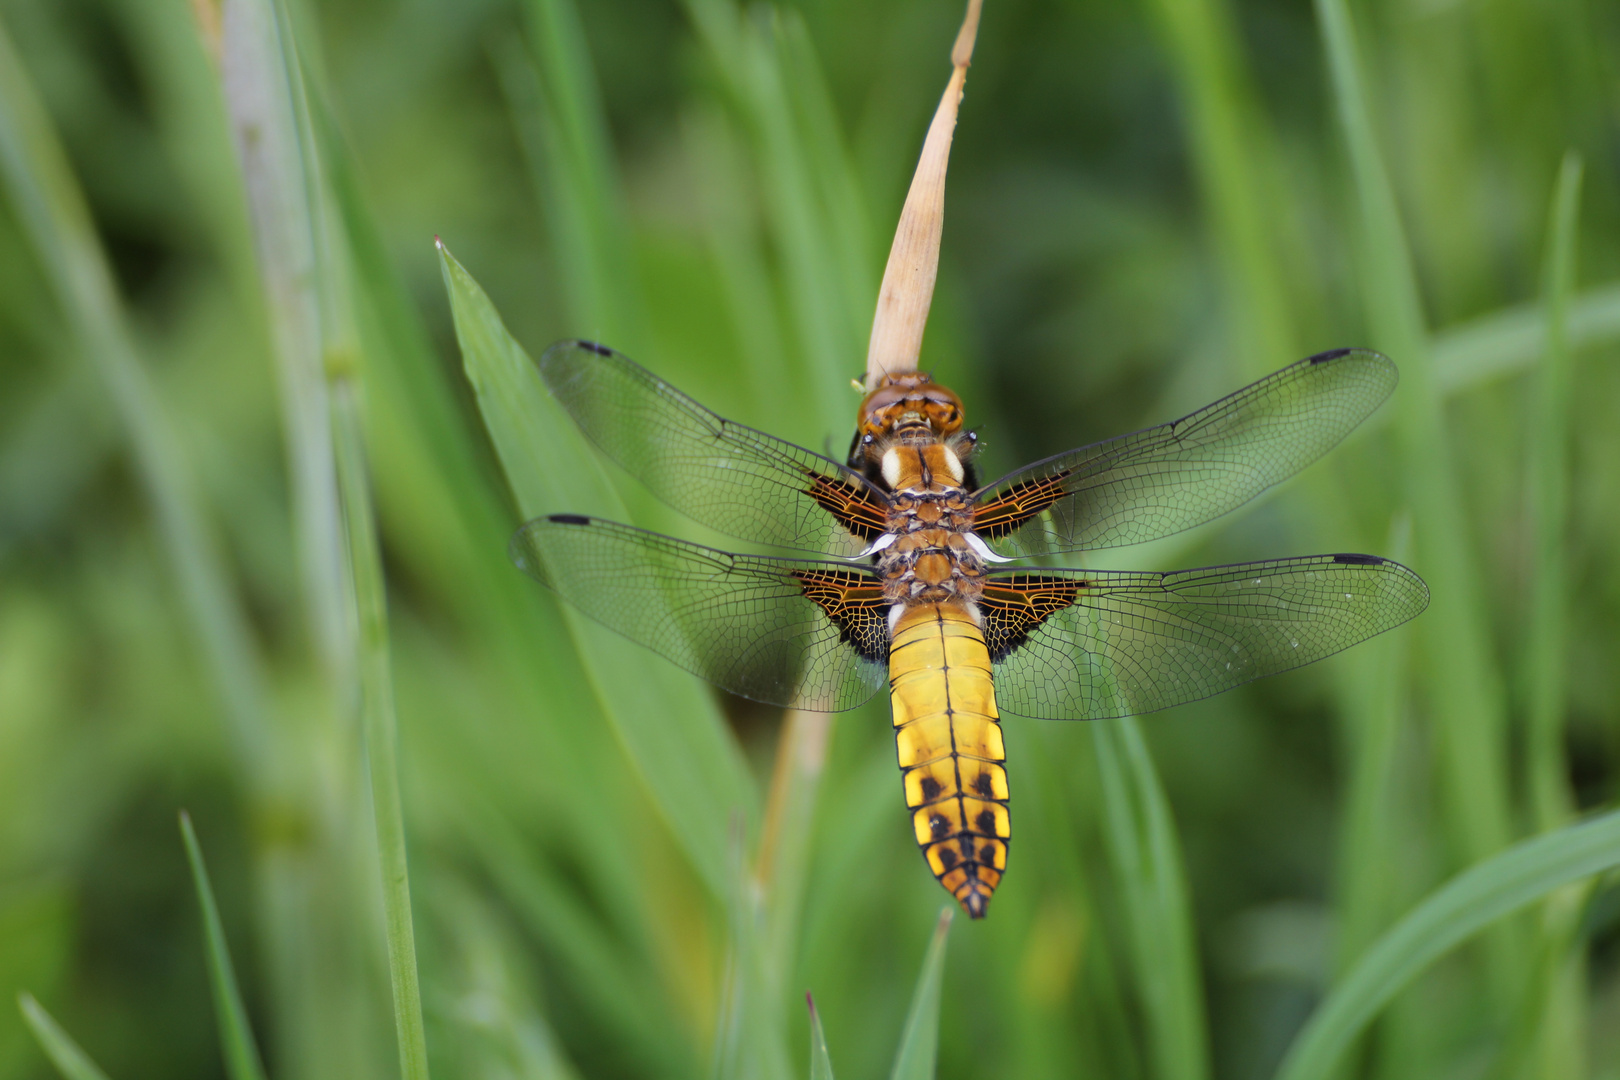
<point x="920" y="598"/>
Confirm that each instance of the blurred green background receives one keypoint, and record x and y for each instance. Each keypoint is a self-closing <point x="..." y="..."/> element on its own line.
<point x="1151" y="202"/>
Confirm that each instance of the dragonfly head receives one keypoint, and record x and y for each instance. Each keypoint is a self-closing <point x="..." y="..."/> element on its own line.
<point x="909" y="398"/>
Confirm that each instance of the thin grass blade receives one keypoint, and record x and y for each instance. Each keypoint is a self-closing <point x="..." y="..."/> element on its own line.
<point x="1468" y="699"/>
<point x="236" y="1040"/>
<point x="1232" y="147"/>
<point x="1146" y="858"/>
<point x="564" y="129"/>
<point x="1510" y="340"/>
<point x="1551" y="800"/>
<point x="1467" y="904"/>
<point x="1373" y="681"/>
<point x="380" y="728"/>
<point x="1554" y="1027"/>
<point x="71" y="1061"/>
<point x="919" y="1041"/>
<point x="664" y="718"/>
<point x="820" y="1061"/>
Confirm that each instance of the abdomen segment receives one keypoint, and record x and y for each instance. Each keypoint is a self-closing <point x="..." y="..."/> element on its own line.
<point x="951" y="755"/>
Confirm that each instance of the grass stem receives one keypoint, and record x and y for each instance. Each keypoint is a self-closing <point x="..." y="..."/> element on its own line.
<point x="380" y="728"/>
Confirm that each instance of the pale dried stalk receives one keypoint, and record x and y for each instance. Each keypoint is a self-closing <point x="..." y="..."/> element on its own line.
<point x="908" y="280"/>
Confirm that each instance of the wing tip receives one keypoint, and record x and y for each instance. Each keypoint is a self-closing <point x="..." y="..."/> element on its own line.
<point x="1331" y="354"/>
<point x="1358" y="352"/>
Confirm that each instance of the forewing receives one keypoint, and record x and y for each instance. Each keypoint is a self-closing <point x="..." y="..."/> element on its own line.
<point x="726" y="475"/>
<point x="1164" y="479"/>
<point x="1078" y="645"/>
<point x="783" y="631"/>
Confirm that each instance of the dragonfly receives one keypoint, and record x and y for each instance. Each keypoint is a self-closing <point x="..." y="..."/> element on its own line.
<point x="920" y="583"/>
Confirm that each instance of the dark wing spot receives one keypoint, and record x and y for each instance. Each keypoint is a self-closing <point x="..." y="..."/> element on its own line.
<point x="941" y="826"/>
<point x="986" y="822"/>
<point x="947" y="858"/>
<point x="930" y="788"/>
<point x="983" y="786"/>
<point x="568" y="519"/>
<point x="1359" y="560"/>
<point x="1331" y="354"/>
<point x="600" y="350"/>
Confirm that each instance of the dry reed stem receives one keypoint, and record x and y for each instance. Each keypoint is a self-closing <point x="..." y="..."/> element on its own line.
<point x="908" y="279"/>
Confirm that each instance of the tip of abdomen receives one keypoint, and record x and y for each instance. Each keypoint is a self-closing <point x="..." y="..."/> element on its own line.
<point x="974" y="897"/>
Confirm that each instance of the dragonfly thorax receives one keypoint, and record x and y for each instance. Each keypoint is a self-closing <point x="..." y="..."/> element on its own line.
<point x="930" y="516"/>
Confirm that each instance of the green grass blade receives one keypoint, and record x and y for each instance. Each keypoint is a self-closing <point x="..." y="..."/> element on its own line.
<point x="1471" y="901"/>
<point x="51" y="208"/>
<point x="764" y="67"/>
<point x="665" y="719"/>
<point x="565" y="135"/>
<point x="1466" y="694"/>
<point x="1146" y="859"/>
<point x="783" y="863"/>
<point x="380" y="728"/>
<point x="1555" y="1022"/>
<point x="240" y="1051"/>
<point x="490" y="996"/>
<point x="1373" y="684"/>
<point x="919" y="1041"/>
<point x="1236" y="166"/>
<point x="72" y="1062"/>
<point x="1550" y="798"/>
<point x="1509" y="341"/>
<point x="603" y="978"/>
<point x="820" y="1061"/>
<point x="750" y="1043"/>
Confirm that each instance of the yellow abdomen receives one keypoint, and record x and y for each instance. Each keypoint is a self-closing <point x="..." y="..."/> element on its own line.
<point x="951" y="755"/>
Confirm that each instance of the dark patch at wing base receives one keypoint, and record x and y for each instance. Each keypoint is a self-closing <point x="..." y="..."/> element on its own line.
<point x="850" y="505"/>
<point x="1014" y="507"/>
<point x="854" y="602"/>
<point x="1013" y="606"/>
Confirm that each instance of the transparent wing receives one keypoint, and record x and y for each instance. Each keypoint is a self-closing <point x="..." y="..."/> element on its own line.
<point x="1164" y="479"/>
<point x="783" y="631"/>
<point x="1077" y="645"/>
<point x="726" y="475"/>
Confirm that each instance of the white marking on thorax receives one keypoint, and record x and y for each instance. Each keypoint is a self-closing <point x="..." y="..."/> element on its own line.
<point x="953" y="463"/>
<point x="981" y="549"/>
<point x="895" y="611"/>
<point x="891" y="467"/>
<point x="877" y="545"/>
